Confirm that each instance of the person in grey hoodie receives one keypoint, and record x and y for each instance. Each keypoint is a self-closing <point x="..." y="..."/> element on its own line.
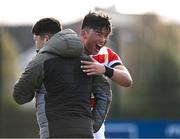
<point x="62" y="90"/>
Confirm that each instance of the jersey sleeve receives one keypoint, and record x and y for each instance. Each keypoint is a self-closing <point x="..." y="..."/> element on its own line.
<point x="113" y="58"/>
<point x="108" y="57"/>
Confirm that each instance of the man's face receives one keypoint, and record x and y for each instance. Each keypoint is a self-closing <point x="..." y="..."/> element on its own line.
<point x="94" y="40"/>
<point x="39" y="41"/>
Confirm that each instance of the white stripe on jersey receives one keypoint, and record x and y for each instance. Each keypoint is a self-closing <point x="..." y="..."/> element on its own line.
<point x="113" y="62"/>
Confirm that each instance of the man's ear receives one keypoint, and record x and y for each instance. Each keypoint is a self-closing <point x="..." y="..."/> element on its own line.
<point x="83" y="33"/>
<point x="46" y="39"/>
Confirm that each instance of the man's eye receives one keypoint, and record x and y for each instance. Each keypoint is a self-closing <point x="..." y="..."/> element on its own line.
<point x="99" y="33"/>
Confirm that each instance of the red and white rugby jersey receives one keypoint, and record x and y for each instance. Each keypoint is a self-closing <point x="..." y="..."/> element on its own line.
<point x="107" y="57"/>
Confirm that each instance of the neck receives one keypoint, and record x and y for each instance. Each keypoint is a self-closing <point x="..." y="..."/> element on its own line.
<point x="85" y="51"/>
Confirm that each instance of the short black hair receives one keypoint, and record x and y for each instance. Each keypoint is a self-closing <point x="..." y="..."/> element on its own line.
<point x="97" y="20"/>
<point x="46" y="26"/>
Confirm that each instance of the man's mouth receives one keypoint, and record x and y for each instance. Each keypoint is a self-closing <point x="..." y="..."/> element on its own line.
<point x="98" y="46"/>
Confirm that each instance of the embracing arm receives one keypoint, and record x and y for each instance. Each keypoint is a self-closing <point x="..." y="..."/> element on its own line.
<point x="29" y="81"/>
<point x="120" y="74"/>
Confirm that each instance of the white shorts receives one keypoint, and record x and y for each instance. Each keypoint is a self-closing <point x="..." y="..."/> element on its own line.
<point x="101" y="133"/>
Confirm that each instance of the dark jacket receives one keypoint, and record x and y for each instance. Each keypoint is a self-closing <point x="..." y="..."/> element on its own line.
<point x="63" y="90"/>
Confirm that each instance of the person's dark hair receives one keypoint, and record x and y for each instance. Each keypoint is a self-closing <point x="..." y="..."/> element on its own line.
<point x="97" y="20"/>
<point x="48" y="26"/>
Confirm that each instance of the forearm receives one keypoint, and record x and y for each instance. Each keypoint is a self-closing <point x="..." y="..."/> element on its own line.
<point x="22" y="93"/>
<point x="121" y="77"/>
<point x="118" y="74"/>
<point x="29" y="81"/>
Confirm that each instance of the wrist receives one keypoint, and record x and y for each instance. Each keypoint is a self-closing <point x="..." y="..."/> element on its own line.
<point x="108" y="71"/>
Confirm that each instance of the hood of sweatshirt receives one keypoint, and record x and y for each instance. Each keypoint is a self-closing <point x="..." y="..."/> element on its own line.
<point x="65" y="43"/>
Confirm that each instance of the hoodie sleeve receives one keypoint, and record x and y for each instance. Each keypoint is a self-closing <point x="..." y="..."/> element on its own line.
<point x="102" y="98"/>
<point x="29" y="81"/>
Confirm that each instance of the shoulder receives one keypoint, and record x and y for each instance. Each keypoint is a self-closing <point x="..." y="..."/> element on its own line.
<point x="111" y="52"/>
<point x="113" y="57"/>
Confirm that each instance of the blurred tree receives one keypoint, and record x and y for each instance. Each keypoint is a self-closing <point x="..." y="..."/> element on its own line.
<point x="152" y="56"/>
<point x="0" y="77"/>
<point x="15" y="122"/>
<point x="9" y="64"/>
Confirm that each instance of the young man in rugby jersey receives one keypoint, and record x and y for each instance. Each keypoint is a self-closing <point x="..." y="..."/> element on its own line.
<point x="95" y="31"/>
